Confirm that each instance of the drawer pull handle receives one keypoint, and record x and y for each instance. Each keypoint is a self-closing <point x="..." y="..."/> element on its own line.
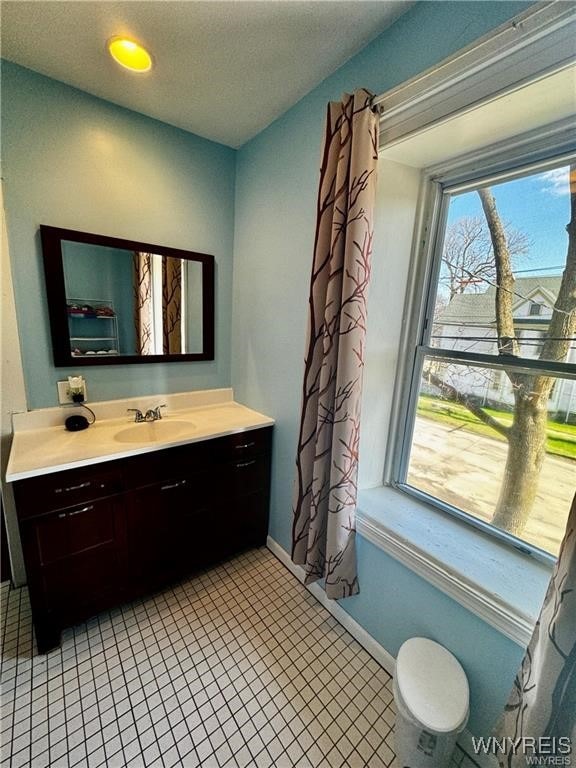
<point x="74" y="487"/>
<point x="245" y="445"/>
<point x="79" y="511"/>
<point x="245" y="464"/>
<point x="173" y="485"/>
<point x="76" y="511"/>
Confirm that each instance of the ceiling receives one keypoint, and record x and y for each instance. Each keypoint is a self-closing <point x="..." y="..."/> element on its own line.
<point x="224" y="69"/>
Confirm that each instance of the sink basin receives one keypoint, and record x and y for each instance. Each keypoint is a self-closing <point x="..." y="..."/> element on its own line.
<point x="154" y="432"/>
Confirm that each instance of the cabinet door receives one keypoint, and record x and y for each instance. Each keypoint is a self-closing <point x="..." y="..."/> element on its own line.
<point x="167" y="530"/>
<point x="247" y="523"/>
<point x="242" y="508"/>
<point x="74" y="558"/>
<point x="195" y="529"/>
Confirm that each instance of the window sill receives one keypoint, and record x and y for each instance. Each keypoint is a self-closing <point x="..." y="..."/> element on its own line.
<point x="502" y="586"/>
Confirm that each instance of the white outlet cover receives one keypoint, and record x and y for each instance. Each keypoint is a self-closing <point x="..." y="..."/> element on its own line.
<point x="64" y="392"/>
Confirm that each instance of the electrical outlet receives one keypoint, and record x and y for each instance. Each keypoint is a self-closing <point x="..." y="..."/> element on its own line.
<point x="64" y="395"/>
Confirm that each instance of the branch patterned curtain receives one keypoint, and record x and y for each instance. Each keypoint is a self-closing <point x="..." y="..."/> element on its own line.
<point x="143" y="323"/>
<point x="542" y="704"/>
<point x="323" y="534"/>
<point x="172" y="305"/>
<point x="144" y="304"/>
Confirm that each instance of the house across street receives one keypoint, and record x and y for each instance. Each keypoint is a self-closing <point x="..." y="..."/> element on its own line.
<point x="468" y="324"/>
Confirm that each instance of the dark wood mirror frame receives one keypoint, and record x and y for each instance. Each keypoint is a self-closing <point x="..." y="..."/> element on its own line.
<point x="52" y="237"/>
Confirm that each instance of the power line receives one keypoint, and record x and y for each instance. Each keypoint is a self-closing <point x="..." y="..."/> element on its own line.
<point x="520" y="339"/>
<point x="539" y="269"/>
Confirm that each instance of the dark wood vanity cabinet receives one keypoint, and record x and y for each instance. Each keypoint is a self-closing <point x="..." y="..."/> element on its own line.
<point x="96" y="536"/>
<point x="73" y="536"/>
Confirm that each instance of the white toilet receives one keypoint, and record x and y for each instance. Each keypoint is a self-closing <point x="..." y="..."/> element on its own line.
<point x="432" y="699"/>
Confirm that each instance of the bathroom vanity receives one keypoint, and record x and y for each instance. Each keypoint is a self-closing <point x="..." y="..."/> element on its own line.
<point x="121" y="526"/>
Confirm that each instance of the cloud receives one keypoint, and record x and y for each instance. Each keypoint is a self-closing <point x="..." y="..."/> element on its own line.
<point x="556" y="181"/>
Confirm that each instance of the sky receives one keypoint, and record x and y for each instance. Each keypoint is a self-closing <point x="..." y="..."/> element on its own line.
<point x="539" y="206"/>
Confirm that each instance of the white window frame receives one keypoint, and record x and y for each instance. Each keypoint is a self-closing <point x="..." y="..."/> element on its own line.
<point x="510" y="160"/>
<point x="529" y="46"/>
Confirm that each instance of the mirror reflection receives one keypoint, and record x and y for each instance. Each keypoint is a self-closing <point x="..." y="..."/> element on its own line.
<point x="111" y="298"/>
<point x="131" y="303"/>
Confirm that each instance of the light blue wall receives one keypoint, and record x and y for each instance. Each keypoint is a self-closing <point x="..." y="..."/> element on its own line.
<point x="277" y="176"/>
<point x="71" y="160"/>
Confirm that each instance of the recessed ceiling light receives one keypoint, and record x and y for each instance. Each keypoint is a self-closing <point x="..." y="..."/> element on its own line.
<point x="130" y="54"/>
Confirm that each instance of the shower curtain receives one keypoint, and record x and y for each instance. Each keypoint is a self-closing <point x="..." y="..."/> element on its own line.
<point x="172" y="305"/>
<point x="142" y="270"/>
<point x="323" y="533"/>
<point x="542" y="705"/>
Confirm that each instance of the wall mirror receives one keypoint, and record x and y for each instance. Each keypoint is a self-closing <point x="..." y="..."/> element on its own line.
<point x="122" y="301"/>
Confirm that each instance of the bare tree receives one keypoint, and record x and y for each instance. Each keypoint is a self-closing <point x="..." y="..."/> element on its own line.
<point x="527" y="434"/>
<point x="468" y="258"/>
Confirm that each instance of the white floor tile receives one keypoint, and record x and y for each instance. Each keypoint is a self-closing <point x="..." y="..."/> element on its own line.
<point x="238" y="666"/>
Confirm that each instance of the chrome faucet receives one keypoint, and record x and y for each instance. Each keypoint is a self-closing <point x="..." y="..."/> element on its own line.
<point x="139" y="415"/>
<point x="154" y="414"/>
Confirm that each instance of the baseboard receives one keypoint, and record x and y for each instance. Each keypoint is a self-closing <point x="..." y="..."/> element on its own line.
<point x="377" y="651"/>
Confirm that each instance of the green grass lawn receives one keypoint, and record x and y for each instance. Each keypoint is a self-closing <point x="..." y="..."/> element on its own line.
<point x="561" y="440"/>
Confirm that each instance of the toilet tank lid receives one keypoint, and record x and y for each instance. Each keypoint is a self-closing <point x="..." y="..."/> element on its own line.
<point x="432" y="684"/>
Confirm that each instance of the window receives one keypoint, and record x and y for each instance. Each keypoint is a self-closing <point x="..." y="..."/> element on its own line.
<point x="490" y="419"/>
<point x="496" y="379"/>
<point x="535" y="308"/>
<point x="483" y="112"/>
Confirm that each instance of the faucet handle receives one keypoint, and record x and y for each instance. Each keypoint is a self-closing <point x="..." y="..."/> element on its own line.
<point x="139" y="415"/>
<point x="157" y="413"/>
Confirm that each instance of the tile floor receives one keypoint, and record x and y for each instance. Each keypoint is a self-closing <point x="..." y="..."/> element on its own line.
<point x="239" y="666"/>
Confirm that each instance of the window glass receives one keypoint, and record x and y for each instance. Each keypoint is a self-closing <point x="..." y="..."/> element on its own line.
<point x="527" y="220"/>
<point x="461" y="459"/>
<point x="494" y="389"/>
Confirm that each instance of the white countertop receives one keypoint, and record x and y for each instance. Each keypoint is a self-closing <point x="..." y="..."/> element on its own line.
<point x="42" y="445"/>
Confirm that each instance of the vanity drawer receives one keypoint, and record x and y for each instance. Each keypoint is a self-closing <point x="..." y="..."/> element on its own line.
<point x="74" y="531"/>
<point x="168" y="465"/>
<point x="244" y="445"/>
<point x="59" y="490"/>
<point x="245" y="475"/>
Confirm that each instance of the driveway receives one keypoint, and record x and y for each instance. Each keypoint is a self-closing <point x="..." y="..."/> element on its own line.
<point x="465" y="469"/>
